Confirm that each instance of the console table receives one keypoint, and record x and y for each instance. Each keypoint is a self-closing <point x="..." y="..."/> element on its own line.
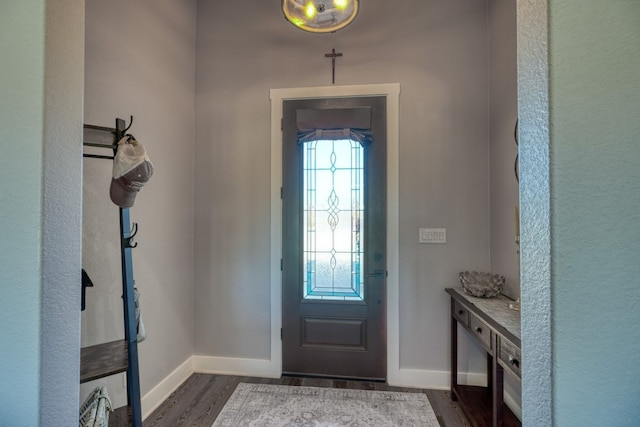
<point x="497" y="328"/>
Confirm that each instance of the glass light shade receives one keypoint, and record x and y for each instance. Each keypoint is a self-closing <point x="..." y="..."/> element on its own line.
<point x="320" y="16"/>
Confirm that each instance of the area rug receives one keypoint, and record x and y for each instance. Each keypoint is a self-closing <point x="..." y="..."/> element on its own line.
<point x="276" y="405"/>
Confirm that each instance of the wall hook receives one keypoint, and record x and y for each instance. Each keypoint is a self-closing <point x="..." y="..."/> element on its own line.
<point x="128" y="127"/>
<point x="129" y="243"/>
<point x="516" y="165"/>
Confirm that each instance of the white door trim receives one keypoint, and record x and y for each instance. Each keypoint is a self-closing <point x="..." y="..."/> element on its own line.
<point x="392" y="93"/>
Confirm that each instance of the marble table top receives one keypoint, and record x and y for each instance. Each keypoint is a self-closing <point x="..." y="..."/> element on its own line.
<point x="495" y="309"/>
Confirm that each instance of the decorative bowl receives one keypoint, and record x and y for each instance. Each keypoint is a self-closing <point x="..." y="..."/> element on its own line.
<point x="479" y="284"/>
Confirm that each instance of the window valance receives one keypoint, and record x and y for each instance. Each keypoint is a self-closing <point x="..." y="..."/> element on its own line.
<point x="334" y="124"/>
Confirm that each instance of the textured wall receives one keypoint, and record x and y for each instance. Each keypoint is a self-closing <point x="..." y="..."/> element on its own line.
<point x="437" y="52"/>
<point x="140" y="61"/>
<point x="41" y="115"/>
<point x="533" y="115"/>
<point x="62" y="216"/>
<point x="595" y="217"/>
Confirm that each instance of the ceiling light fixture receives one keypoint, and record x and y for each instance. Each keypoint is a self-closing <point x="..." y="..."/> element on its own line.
<point x="320" y="16"/>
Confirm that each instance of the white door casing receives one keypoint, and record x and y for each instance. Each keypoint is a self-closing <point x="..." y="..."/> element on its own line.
<point x="278" y="96"/>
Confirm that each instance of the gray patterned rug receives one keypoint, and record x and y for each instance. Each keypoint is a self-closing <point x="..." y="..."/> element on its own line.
<point x="276" y="405"/>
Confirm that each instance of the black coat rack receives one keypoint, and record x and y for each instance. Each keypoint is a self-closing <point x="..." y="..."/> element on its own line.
<point x="110" y="358"/>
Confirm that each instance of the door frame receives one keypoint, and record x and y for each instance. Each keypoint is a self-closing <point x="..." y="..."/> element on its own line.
<point x="392" y="92"/>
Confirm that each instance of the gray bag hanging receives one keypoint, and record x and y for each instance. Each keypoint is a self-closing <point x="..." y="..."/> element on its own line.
<point x="142" y="333"/>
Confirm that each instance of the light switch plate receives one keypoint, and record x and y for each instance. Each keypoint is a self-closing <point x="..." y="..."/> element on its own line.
<point x="432" y="235"/>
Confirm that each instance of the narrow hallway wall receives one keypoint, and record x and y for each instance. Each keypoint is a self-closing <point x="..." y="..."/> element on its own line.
<point x="140" y="61"/>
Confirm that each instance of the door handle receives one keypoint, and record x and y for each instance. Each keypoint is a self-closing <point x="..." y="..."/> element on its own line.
<point x="377" y="273"/>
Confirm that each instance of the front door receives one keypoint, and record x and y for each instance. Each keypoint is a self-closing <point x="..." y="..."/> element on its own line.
<point x="334" y="237"/>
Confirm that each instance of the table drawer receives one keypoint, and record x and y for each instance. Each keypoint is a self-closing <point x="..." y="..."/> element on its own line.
<point x="481" y="330"/>
<point x="461" y="313"/>
<point x="509" y="356"/>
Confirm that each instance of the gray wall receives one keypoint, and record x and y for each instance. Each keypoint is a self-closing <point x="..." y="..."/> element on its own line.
<point x="595" y="216"/>
<point x="40" y="196"/>
<point x="437" y="51"/>
<point x="140" y="61"/>
<point x="503" y="111"/>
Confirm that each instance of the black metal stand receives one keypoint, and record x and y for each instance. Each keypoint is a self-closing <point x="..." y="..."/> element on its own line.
<point x="103" y="137"/>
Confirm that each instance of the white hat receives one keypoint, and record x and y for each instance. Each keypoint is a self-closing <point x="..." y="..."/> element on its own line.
<point x="131" y="170"/>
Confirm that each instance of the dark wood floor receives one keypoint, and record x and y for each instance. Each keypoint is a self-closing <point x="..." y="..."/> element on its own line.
<point x="200" y="399"/>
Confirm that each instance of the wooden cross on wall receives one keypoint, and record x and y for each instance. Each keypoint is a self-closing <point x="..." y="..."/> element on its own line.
<point x="333" y="55"/>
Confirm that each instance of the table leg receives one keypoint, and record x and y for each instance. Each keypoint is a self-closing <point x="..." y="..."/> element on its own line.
<point x="454" y="352"/>
<point x="498" y="393"/>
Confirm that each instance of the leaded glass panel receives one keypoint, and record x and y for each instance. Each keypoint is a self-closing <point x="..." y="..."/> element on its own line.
<point x="333" y="220"/>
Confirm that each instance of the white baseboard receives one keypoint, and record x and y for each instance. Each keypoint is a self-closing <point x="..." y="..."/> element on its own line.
<point x="263" y="368"/>
<point x="160" y="392"/>
<point x="513" y="405"/>
<point x="435" y="380"/>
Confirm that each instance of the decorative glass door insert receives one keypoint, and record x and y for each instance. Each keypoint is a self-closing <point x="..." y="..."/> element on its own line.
<point x="333" y="226"/>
